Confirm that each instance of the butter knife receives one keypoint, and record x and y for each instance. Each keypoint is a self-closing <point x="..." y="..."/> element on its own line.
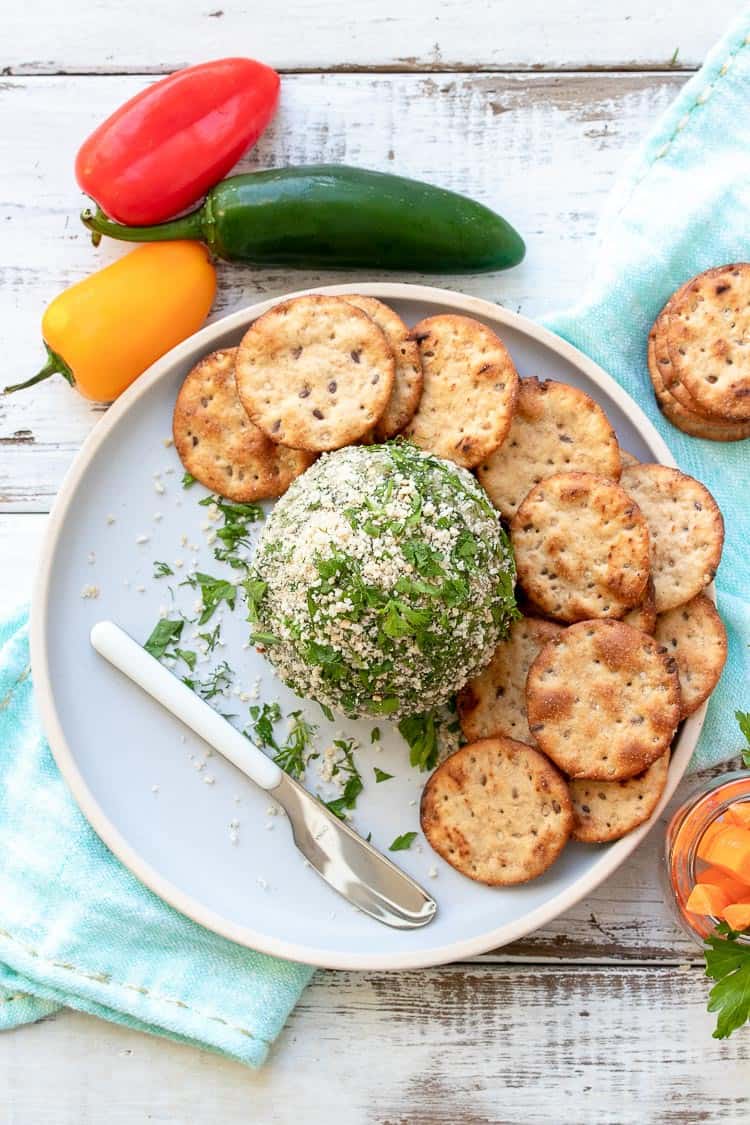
<point x="348" y="863"/>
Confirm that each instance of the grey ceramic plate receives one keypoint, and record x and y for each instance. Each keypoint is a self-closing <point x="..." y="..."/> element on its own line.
<point x="145" y="784"/>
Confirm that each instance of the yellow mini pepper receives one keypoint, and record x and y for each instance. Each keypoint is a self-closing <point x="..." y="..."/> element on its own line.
<point x="103" y="332"/>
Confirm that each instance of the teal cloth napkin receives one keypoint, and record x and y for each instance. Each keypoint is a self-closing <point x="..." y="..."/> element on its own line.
<point x="77" y="929"/>
<point x="684" y="205"/>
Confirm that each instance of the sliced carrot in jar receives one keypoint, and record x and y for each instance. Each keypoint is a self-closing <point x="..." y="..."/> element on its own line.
<point x="713" y="830"/>
<point x="730" y="850"/>
<point x="737" y="915"/>
<point x="738" y="814"/>
<point x="733" y="887"/>
<point x="707" y="900"/>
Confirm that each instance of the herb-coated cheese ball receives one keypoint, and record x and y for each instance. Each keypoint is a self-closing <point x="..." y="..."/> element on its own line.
<point x="382" y="581"/>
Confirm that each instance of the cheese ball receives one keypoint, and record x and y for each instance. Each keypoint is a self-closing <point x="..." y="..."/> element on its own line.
<point x="382" y="581"/>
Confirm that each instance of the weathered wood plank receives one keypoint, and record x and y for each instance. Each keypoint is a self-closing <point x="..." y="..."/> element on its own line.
<point x="543" y="150"/>
<point x="44" y="37"/>
<point x="624" y="920"/>
<point x="473" y="1045"/>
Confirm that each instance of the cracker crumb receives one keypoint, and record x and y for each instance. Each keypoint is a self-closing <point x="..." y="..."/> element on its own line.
<point x="140" y="539"/>
<point x="90" y="592"/>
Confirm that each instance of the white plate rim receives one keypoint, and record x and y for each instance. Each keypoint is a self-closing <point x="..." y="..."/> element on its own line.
<point x="472" y="946"/>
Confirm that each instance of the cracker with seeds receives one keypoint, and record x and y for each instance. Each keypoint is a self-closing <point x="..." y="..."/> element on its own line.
<point x="555" y="428"/>
<point x="407" y="383"/>
<point x="498" y="811"/>
<point x="695" y="636"/>
<point x="581" y="547"/>
<point x="707" y="330"/>
<point x="685" y="528"/>
<point x="607" y="810"/>
<point x="679" y="409"/>
<point x="643" y="616"/>
<point x="603" y="700"/>
<point x="494" y="702"/>
<point x="219" y="445"/>
<point x="315" y="373"/>
<point x="627" y="458"/>
<point x="469" y="392"/>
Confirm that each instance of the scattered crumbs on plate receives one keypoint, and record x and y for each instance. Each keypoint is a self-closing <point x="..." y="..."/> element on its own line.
<point x="262" y="883"/>
<point x="157" y="517"/>
<point x="126" y="581"/>
<point x="159" y="487"/>
<point x="90" y="592"/>
<point x="209" y="779"/>
<point x="110" y="519"/>
<point x="183" y="540"/>
<point x="272" y="810"/>
<point x="332" y="915"/>
<point x="419" y="849"/>
<point x="198" y="606"/>
<point x="306" y="863"/>
<point x="141" y="539"/>
<point x="91" y="558"/>
<point x="178" y="564"/>
<point x="237" y="799"/>
<point x="199" y="765"/>
<point x="167" y="442"/>
<point x="141" y="589"/>
<point x="163" y="611"/>
<point x="211" y="538"/>
<point x="269" y="826"/>
<point x="432" y="873"/>
<point x="183" y="738"/>
<point x="169" y="472"/>
<point x="154" y="788"/>
<point x="412" y="803"/>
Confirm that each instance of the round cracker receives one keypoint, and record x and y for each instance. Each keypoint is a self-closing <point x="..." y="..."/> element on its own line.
<point x="314" y="373"/>
<point x="498" y="811"/>
<point x="581" y="547"/>
<point x="643" y="616"/>
<point x="603" y="700"/>
<point x="675" y="410"/>
<point x="695" y="636"/>
<point x="686" y="530"/>
<point x="707" y="329"/>
<point x="494" y="702"/>
<point x="469" y="392"/>
<point x="659" y="363"/>
<point x="607" y="810"/>
<point x="556" y="428"/>
<point x="407" y="383"/>
<point x="219" y="445"/>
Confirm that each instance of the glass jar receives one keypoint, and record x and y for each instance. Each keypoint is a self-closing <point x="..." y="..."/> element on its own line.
<point x="684" y="833"/>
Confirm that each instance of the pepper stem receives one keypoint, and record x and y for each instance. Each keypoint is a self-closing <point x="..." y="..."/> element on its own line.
<point x="55" y="365"/>
<point x="187" y="226"/>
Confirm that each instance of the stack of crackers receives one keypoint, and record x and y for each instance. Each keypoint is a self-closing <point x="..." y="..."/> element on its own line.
<point x="319" y="373"/>
<point x="569" y="727"/>
<point x="699" y="355"/>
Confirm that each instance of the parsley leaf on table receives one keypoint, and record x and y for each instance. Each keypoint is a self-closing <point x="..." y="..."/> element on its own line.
<point x="353" y="785"/>
<point x="263" y="716"/>
<point x="420" y="731"/>
<point x="296" y="752"/>
<point x="213" y="591"/>
<point x="403" y="843"/>
<point x="164" y="634"/>
<point x="214" y="684"/>
<point x="743" y="718"/>
<point x="162" y="569"/>
<point x="728" y="963"/>
<point x="188" y="480"/>
<point x="381" y="775"/>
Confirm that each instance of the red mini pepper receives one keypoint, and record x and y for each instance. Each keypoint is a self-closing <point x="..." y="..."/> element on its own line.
<point x="162" y="150"/>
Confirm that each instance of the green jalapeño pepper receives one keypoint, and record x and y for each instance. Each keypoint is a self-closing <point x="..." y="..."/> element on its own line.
<point x="328" y="215"/>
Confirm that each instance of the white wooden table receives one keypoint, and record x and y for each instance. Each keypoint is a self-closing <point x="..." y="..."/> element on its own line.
<point x="532" y="107"/>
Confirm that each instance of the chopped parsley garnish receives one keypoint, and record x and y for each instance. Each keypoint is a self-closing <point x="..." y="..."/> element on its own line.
<point x="296" y="752"/>
<point x="162" y="569"/>
<point x="188" y="656"/>
<point x="375" y="735"/>
<point x="213" y="591"/>
<point x="728" y="963"/>
<point x="264" y="716"/>
<point x="233" y="533"/>
<point x="743" y="718"/>
<point x="327" y="711"/>
<point x="255" y="591"/>
<point x="403" y="843"/>
<point x="188" y="480"/>
<point x="381" y="775"/>
<point x="216" y="683"/>
<point x="420" y="731"/>
<point x="164" y="635"/>
<point x="211" y="639"/>
<point x="353" y="785"/>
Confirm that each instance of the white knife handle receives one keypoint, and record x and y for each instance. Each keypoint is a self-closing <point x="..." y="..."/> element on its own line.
<point x="111" y="642"/>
